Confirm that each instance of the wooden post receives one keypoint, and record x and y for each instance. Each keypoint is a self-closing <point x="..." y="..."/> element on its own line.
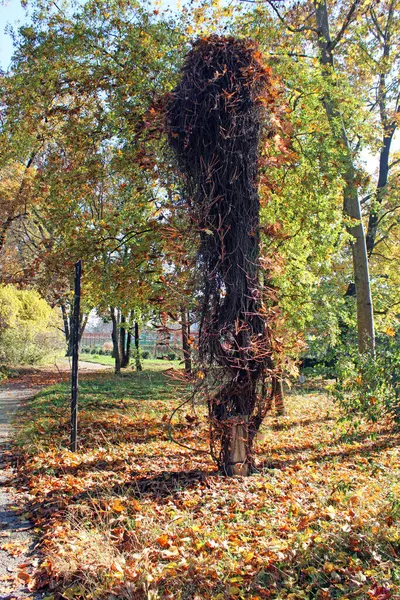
<point x="75" y="357"/>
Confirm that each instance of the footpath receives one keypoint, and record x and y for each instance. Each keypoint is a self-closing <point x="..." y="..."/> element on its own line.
<point x="17" y="542"/>
<point x="18" y="556"/>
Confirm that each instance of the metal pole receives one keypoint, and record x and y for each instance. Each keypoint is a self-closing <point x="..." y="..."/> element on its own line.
<point x="75" y="357"/>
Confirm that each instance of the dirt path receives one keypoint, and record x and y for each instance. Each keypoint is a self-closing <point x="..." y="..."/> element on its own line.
<point x="17" y="541"/>
<point x="64" y="364"/>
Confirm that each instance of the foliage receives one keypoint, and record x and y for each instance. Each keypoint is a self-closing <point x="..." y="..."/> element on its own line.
<point x="369" y="387"/>
<point x="28" y="327"/>
<point x="137" y="516"/>
<point x="364" y="86"/>
<point x="94" y="185"/>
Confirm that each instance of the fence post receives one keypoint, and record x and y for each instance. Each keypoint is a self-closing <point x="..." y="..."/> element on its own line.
<point x="75" y="357"/>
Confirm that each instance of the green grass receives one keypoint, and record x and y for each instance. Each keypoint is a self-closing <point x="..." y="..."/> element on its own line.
<point x="148" y="364"/>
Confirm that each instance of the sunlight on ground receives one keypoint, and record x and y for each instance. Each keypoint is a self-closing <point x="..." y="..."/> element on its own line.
<point x="139" y="516"/>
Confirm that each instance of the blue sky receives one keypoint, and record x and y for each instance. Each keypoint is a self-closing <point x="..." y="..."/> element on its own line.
<point x="13" y="14"/>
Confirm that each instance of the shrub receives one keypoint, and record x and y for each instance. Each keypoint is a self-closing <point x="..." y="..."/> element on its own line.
<point x="370" y="386"/>
<point x="28" y="327"/>
<point x="107" y="347"/>
<point x="171" y="356"/>
<point x="145" y="354"/>
<point x="94" y="350"/>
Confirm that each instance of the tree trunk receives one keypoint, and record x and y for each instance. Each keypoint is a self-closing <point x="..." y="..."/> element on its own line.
<point x="125" y="340"/>
<point x="185" y="341"/>
<point x="115" y="340"/>
<point x="389" y="125"/>
<point x="137" y="349"/>
<point x="67" y="331"/>
<point x="236" y="447"/>
<point x="83" y="319"/>
<point x="351" y="204"/>
<point x="277" y="395"/>
<point x="128" y="346"/>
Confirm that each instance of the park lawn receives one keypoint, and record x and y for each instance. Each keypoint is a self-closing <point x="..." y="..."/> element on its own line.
<point x="147" y="363"/>
<point x="135" y="516"/>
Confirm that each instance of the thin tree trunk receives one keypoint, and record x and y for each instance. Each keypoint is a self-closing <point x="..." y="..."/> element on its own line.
<point x="185" y="340"/>
<point x="124" y="343"/>
<point x="389" y="125"/>
<point x="138" y="362"/>
<point x="351" y="204"/>
<point x="82" y="325"/>
<point x="115" y="340"/>
<point x="67" y="331"/>
<point x="277" y="395"/>
<point x="128" y="346"/>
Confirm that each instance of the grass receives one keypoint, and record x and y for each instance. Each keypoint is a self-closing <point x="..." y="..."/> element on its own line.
<point x="135" y="516"/>
<point x="151" y="364"/>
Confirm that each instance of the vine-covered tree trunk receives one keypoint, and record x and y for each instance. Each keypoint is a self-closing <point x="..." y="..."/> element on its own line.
<point x="215" y="117"/>
<point x="115" y="340"/>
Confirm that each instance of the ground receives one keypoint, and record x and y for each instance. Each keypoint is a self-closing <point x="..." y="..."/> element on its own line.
<point x="134" y="515"/>
<point x="17" y="542"/>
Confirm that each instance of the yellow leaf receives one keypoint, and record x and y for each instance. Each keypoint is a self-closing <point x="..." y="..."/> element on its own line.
<point x="234" y="591"/>
<point x="136" y="505"/>
<point x="117" y="506"/>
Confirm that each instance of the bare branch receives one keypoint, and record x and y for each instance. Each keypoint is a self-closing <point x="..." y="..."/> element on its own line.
<point x="346" y="23"/>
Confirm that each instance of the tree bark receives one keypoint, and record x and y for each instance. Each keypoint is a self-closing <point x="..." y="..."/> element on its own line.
<point x="67" y="331"/>
<point x="277" y="395"/>
<point x="138" y="362"/>
<point x="125" y="340"/>
<point x="236" y="447"/>
<point x="115" y="340"/>
<point x="185" y="341"/>
<point x="351" y="204"/>
<point x="389" y="127"/>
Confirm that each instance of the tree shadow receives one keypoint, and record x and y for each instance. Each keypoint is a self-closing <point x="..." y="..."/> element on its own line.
<point x="369" y="447"/>
<point x="283" y="426"/>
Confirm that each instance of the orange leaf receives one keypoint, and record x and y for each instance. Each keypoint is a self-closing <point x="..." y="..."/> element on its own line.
<point x="163" y="541"/>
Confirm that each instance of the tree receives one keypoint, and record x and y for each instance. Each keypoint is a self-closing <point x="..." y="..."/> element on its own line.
<point x="214" y="119"/>
<point x="94" y="175"/>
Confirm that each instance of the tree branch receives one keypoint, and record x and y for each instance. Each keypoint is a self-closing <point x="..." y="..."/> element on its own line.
<point x="346" y="23"/>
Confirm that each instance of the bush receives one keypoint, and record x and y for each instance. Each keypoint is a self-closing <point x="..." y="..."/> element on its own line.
<point x="28" y="327"/>
<point x="145" y="354"/>
<point x="171" y="356"/>
<point x="370" y="386"/>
